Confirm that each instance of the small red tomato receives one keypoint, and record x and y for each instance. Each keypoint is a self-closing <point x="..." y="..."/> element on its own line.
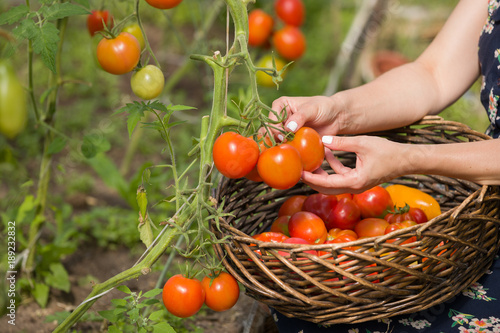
<point x="290" y="11"/>
<point x="281" y="225"/>
<point x="235" y="155"/>
<point x="289" y="42"/>
<point x="371" y="227"/>
<point x="375" y="202"/>
<point x="260" y="27"/>
<point x="320" y="204"/>
<point x="119" y="55"/>
<point x="97" y="19"/>
<point x="308" y="143"/>
<point x="222" y="292"/>
<point x="292" y="205"/>
<point x="163" y="4"/>
<point x="307" y="226"/>
<point x="269" y="236"/>
<point x="297" y="240"/>
<point x="345" y="215"/>
<point x="418" y="214"/>
<point x="183" y="297"/>
<point x="400" y="225"/>
<point x="280" y="166"/>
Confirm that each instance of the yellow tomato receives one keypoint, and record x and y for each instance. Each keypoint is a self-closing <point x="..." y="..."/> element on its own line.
<point x="401" y="195"/>
<point x="263" y="78"/>
<point x="135" y="31"/>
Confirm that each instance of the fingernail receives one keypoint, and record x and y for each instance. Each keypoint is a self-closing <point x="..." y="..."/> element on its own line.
<point x="327" y="139"/>
<point x="280" y="137"/>
<point x="292" y="126"/>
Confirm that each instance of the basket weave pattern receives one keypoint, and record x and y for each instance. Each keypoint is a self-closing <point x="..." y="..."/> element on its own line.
<point x="371" y="278"/>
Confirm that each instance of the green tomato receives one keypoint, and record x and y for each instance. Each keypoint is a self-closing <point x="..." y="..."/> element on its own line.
<point x="266" y="61"/>
<point x="147" y="82"/>
<point x="13" y="107"/>
<point x="135" y="31"/>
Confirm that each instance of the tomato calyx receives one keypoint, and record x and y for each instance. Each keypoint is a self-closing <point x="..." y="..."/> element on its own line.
<point x="400" y="210"/>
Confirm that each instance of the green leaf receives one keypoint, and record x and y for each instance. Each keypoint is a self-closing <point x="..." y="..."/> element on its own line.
<point x="157" y="315"/>
<point x="88" y="148"/>
<point x="114" y="329"/>
<point x="58" y="277"/>
<point x="163" y="327"/>
<point x="152" y="293"/>
<point x="134" y="314"/>
<point x="125" y="289"/>
<point x="145" y="231"/>
<point x="61" y="10"/>
<point x="14" y="14"/>
<point x="175" y="123"/>
<point x="135" y="113"/>
<point x="142" y="202"/>
<point x="84" y="3"/>
<point x="27" y="29"/>
<point x="56" y="146"/>
<point x="180" y="107"/>
<point x="119" y="302"/>
<point x="41" y="294"/>
<point x="45" y="44"/>
<point x="109" y="315"/>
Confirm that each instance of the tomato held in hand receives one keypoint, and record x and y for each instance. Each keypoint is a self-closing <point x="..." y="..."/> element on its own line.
<point x="375" y="202"/>
<point x="183" y="297"/>
<point x="119" y="55"/>
<point x="263" y="143"/>
<point x="402" y="195"/>
<point x="135" y="31"/>
<point x="260" y="27"/>
<point x="320" y="204"/>
<point x="235" y="155"/>
<point x="308" y="143"/>
<point x="371" y="227"/>
<point x="345" y="215"/>
<point x="222" y="292"/>
<point x="292" y="205"/>
<point x="290" y="11"/>
<point x="163" y="4"/>
<point x="290" y="42"/>
<point x="280" y="166"/>
<point x="147" y="83"/>
<point x="307" y="226"/>
<point x="96" y="20"/>
<point x="13" y="97"/>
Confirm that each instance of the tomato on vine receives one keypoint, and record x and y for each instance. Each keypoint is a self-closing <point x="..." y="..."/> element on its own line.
<point x="290" y="42"/>
<point x="163" y="4"/>
<point x="182" y="296"/>
<point x="280" y="166"/>
<point x="263" y="144"/>
<point x="97" y="19"/>
<point x="135" y="31"/>
<point x="260" y="27"/>
<point x="290" y="11"/>
<point x="263" y="78"/>
<point x="312" y="152"/>
<point x="13" y="107"/>
<point x="221" y="292"/>
<point x="147" y="82"/>
<point x="119" y="55"/>
<point x="235" y="155"/>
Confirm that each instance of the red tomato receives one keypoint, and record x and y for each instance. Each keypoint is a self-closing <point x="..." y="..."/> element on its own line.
<point x="281" y="225"/>
<point x="273" y="237"/>
<point x="371" y="227"/>
<point x="290" y="11"/>
<point x="260" y="27"/>
<point x="163" y="4"/>
<point x="308" y="143"/>
<point x="96" y="19"/>
<point x="418" y="214"/>
<point x="183" y="297"/>
<point x="263" y="144"/>
<point x="320" y="204"/>
<point x="307" y="226"/>
<point x="375" y="202"/>
<point x="344" y="216"/>
<point x="406" y="214"/>
<point x="235" y="155"/>
<point x="280" y="166"/>
<point x="289" y="42"/>
<point x="297" y="240"/>
<point x="119" y="55"/>
<point x="344" y="195"/>
<point x="337" y="232"/>
<point x="400" y="225"/>
<point x="222" y="292"/>
<point x="292" y="205"/>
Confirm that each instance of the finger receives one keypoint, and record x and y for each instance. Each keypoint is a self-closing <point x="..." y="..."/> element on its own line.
<point x="343" y="143"/>
<point x="335" y="164"/>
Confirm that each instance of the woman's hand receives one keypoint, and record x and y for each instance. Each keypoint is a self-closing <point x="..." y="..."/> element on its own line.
<point x="377" y="160"/>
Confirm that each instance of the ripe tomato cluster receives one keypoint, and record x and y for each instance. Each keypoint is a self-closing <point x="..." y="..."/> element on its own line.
<point x="323" y="219"/>
<point x="183" y="297"/>
<point x="279" y="166"/>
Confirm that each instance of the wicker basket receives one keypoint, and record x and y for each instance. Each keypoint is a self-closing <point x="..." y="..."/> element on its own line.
<point x="372" y="278"/>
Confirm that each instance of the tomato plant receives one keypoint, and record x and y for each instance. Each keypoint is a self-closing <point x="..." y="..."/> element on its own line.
<point x="119" y="55"/>
<point x="344" y="215"/>
<point x="280" y="166"/>
<point x="320" y="204"/>
<point x="263" y="78"/>
<point x="163" y="4"/>
<point x="221" y="292"/>
<point x="307" y="226"/>
<point x="182" y="296"/>
<point x="147" y="82"/>
<point x="135" y="31"/>
<point x="402" y="195"/>
<point x="375" y="202"/>
<point x="312" y="152"/>
<point x="97" y="19"/>
<point x="290" y="11"/>
<point x="260" y="27"/>
<point x="289" y="42"/>
<point x="371" y="227"/>
<point x="281" y="225"/>
<point x="235" y="155"/>
<point x="292" y="205"/>
<point x="13" y="108"/>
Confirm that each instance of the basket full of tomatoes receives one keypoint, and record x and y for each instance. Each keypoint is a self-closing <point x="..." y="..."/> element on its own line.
<point x="397" y="248"/>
